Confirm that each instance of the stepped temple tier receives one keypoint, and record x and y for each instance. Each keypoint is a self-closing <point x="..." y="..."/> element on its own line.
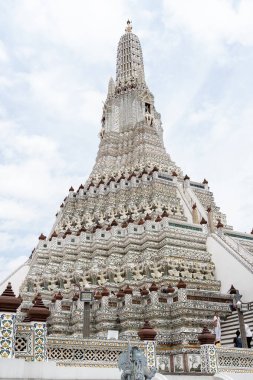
<point x="130" y="227"/>
<point x="150" y="244"/>
<point x="135" y="227"/>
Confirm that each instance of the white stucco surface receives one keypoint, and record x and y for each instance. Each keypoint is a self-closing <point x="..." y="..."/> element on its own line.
<point x="233" y="376"/>
<point x="182" y="377"/>
<point x="16" y="278"/>
<point x="15" y="369"/>
<point x="230" y="271"/>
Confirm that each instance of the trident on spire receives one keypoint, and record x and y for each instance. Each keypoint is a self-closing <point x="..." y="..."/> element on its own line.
<point x="129" y="26"/>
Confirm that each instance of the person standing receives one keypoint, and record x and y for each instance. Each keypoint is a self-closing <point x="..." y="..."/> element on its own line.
<point x="217" y="328"/>
<point x="237" y="340"/>
<point x="248" y="335"/>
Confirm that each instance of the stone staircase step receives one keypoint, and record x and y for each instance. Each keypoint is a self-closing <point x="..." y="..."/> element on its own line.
<point x="231" y="324"/>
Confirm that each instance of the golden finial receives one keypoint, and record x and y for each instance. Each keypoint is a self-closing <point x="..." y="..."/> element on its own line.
<point x="129" y="26"/>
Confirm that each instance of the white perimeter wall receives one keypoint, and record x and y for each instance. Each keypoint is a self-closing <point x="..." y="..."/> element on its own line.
<point x="15" y="369"/>
<point x="230" y="271"/>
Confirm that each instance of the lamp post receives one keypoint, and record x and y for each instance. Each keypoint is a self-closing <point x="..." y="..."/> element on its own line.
<point x="86" y="296"/>
<point x="238" y="305"/>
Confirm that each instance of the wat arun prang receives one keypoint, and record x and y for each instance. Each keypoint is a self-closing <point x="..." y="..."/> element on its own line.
<point x="135" y="232"/>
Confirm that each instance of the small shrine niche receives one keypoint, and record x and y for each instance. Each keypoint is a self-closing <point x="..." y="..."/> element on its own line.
<point x="147" y="108"/>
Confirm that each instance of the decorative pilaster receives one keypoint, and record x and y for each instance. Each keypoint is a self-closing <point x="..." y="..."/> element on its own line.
<point x="38" y="315"/>
<point x="208" y="358"/>
<point x="40" y="341"/>
<point x="207" y="351"/>
<point x="148" y="334"/>
<point x="151" y="353"/>
<point x="154" y="293"/>
<point x="120" y="297"/>
<point x="97" y="300"/>
<point x="128" y="297"/>
<point x="144" y="293"/>
<point x="58" y="300"/>
<point x="8" y="307"/>
<point x="104" y="300"/>
<point x="7" y="335"/>
<point x="182" y="296"/>
<point x="170" y="291"/>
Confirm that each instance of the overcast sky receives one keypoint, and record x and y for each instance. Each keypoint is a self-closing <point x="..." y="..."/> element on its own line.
<point x="56" y="58"/>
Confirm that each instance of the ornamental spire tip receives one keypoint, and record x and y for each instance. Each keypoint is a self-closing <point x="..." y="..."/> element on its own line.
<point x="129" y="27"/>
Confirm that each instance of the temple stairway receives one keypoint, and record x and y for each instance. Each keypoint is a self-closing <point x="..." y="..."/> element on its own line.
<point x="231" y="324"/>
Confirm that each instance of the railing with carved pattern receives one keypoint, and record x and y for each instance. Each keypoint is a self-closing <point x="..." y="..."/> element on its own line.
<point x="87" y="352"/>
<point x="24" y="342"/>
<point x="234" y="360"/>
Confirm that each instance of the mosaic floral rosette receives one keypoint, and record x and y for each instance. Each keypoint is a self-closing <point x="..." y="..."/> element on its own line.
<point x="150" y="354"/>
<point x="40" y="332"/>
<point x="7" y="332"/>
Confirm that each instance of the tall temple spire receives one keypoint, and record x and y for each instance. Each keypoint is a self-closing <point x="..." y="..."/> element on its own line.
<point x="129" y="57"/>
<point x="130" y="227"/>
<point x="131" y="132"/>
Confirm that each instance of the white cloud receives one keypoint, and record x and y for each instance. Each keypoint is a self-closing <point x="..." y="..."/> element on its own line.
<point x="10" y="209"/>
<point x="3" y="52"/>
<point x="15" y="142"/>
<point x="12" y="242"/>
<point x="77" y="25"/>
<point x="62" y="95"/>
<point x="217" y="140"/>
<point x="34" y="177"/>
<point x="212" y="22"/>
